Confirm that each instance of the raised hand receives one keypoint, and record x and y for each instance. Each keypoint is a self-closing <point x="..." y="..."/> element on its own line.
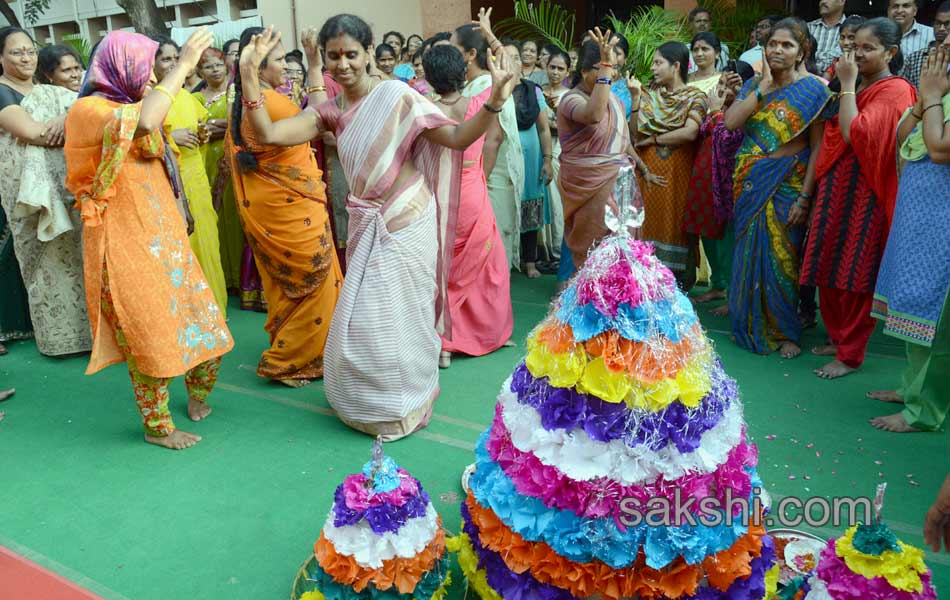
<point x="484" y="22"/>
<point x="191" y="52"/>
<point x="606" y="43"/>
<point x="847" y="70"/>
<point x="733" y="81"/>
<point x="259" y="48"/>
<point x="634" y="85"/>
<point x="934" y="83"/>
<point x="503" y="78"/>
<point x="765" y="82"/>
<point x="311" y="46"/>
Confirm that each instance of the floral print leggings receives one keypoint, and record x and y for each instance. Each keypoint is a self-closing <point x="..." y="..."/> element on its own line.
<point x="151" y="393"/>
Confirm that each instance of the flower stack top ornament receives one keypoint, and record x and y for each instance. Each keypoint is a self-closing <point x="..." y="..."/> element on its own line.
<point x="868" y="562"/>
<point x="382" y="540"/>
<point x="620" y="405"/>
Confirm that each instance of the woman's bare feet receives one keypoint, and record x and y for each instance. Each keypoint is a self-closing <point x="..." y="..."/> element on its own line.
<point x="445" y="359"/>
<point x="789" y="350"/>
<point x="6" y="394"/>
<point x="825" y="350"/>
<point x="198" y="410"/>
<point x="176" y="440"/>
<point x="834" y="370"/>
<point x="894" y="424"/>
<point x="294" y="383"/>
<point x="531" y="271"/>
<point x="885" y="396"/>
<point x="720" y="311"/>
<point x="710" y="296"/>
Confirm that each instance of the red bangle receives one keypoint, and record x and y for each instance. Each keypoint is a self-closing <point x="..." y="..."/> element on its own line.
<point x="253" y="105"/>
<point x="606" y="65"/>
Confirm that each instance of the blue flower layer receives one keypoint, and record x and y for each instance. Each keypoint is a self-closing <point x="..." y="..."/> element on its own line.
<point x="583" y="539"/>
<point x="670" y="318"/>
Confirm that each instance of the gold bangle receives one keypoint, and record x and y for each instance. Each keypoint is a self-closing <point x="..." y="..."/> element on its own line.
<point x="313" y="89"/>
<point x="161" y="90"/>
<point x="847" y="94"/>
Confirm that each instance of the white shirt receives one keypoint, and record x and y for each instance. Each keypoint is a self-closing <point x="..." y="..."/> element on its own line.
<point x="917" y="38"/>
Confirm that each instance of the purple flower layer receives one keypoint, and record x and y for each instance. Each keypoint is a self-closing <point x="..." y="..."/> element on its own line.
<point x="508" y="584"/>
<point x="382" y="518"/>
<point x="565" y="408"/>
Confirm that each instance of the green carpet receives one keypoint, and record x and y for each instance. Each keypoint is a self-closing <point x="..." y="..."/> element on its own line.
<point x="235" y="516"/>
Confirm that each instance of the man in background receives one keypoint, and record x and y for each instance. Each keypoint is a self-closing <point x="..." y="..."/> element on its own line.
<point x="914" y="62"/>
<point x="916" y="36"/>
<point x="826" y="30"/>
<point x="700" y="19"/>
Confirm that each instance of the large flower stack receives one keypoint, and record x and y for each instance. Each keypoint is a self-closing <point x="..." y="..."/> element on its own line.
<point x="619" y="404"/>
<point x="382" y="539"/>
<point x="869" y="563"/>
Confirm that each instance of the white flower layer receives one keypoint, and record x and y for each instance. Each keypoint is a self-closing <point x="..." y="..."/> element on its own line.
<point x="579" y="457"/>
<point x="819" y="591"/>
<point x="370" y="550"/>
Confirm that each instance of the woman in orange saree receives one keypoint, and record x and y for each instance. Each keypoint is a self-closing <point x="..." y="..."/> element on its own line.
<point x="149" y="303"/>
<point x="401" y="158"/>
<point x="283" y="207"/>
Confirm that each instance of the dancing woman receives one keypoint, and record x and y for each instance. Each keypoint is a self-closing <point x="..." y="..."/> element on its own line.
<point x="283" y="207"/>
<point x="775" y="177"/>
<point x="383" y="350"/>
<point x="149" y="303"/>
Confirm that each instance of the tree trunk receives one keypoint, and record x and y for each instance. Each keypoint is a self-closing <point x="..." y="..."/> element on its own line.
<point x="145" y="16"/>
<point x="7" y="11"/>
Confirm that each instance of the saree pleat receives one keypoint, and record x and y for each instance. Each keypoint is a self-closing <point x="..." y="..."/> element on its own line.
<point x="283" y="211"/>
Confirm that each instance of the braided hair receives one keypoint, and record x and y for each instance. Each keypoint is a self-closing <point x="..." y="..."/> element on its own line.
<point x="246" y="160"/>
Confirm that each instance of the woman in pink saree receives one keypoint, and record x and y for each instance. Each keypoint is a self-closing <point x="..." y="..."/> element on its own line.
<point x="401" y="157"/>
<point x="479" y="283"/>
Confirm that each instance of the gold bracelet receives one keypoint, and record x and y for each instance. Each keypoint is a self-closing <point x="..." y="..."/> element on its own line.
<point x="846" y="94"/>
<point x="313" y="89"/>
<point x="161" y="90"/>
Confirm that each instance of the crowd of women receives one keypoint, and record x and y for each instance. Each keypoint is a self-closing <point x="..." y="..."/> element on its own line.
<point x="138" y="197"/>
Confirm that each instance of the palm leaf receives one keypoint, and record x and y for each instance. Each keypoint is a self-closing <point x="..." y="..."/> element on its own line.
<point x="546" y="20"/>
<point x="646" y="30"/>
<point x="80" y="45"/>
<point x="733" y="21"/>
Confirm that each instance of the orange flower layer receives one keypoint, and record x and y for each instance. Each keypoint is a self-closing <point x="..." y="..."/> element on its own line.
<point x="404" y="573"/>
<point x="587" y="579"/>
<point x="649" y="362"/>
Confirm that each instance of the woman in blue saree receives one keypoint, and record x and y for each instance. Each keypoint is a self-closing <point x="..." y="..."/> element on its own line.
<point x="775" y="176"/>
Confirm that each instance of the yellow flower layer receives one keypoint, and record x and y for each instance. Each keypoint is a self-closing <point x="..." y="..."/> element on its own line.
<point x="574" y="369"/>
<point x="468" y="562"/>
<point x="901" y="569"/>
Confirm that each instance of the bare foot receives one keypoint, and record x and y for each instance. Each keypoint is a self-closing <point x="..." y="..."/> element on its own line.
<point x="445" y="359"/>
<point x="893" y="423"/>
<point x="885" y="396"/>
<point x="825" y="350"/>
<point x="710" y="296"/>
<point x="531" y="271"/>
<point x="7" y="394"/>
<point x="198" y="410"/>
<point x="834" y="370"/>
<point x="176" y="440"/>
<point x="720" y="311"/>
<point x="294" y="383"/>
<point x="509" y="344"/>
<point x="789" y="350"/>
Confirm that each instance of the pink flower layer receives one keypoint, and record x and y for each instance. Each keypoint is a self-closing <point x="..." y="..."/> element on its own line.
<point x="618" y="284"/>
<point x="845" y="584"/>
<point x="603" y="497"/>
<point x="360" y="497"/>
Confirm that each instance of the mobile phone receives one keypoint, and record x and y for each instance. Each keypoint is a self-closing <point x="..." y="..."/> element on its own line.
<point x="731" y="66"/>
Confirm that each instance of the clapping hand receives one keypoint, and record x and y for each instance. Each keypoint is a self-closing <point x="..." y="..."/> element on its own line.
<point x="259" y="48"/>
<point x="502" y="77"/>
<point x="191" y="52"/>
<point x="311" y="46"/>
<point x="934" y="83"/>
<point x="606" y="42"/>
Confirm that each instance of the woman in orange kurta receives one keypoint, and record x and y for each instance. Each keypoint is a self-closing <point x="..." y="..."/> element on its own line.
<point x="283" y="206"/>
<point x="149" y="303"/>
